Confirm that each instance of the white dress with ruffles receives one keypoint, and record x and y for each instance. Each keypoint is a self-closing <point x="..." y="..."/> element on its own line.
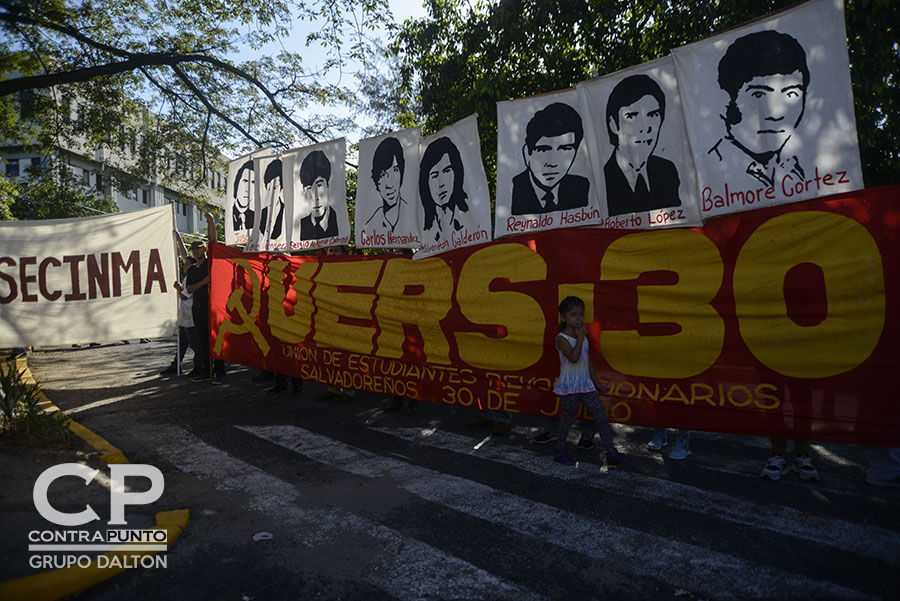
<point x="574" y="378"/>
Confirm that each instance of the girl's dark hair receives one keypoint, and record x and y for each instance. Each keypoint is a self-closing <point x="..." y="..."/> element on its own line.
<point x="568" y="303"/>
<point x="432" y="155"/>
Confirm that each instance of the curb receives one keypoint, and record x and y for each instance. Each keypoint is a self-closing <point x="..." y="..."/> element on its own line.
<point x="62" y="582"/>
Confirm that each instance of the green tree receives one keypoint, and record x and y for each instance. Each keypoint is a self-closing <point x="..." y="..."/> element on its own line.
<point x="465" y="57"/>
<point x="52" y="193"/>
<point x="162" y="75"/>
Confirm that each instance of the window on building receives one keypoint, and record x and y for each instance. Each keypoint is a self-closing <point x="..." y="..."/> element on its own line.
<point x="122" y="138"/>
<point x="12" y="167"/>
<point x="66" y="108"/>
<point x="99" y="182"/>
<point x="36" y="163"/>
<point x="133" y="143"/>
<point x="184" y="209"/>
<point x="144" y="198"/>
<point x="85" y="177"/>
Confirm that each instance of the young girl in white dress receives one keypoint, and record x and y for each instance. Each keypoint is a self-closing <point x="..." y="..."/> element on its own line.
<point x="577" y="382"/>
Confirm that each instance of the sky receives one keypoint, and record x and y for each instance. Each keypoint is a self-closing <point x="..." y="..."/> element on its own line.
<point x="315" y="57"/>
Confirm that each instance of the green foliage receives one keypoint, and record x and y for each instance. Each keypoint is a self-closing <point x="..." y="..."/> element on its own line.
<point x="21" y="417"/>
<point x="52" y="193"/>
<point x="465" y="57"/>
<point x="184" y="79"/>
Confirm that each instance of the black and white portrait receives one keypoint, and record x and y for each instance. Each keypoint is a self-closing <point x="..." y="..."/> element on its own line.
<point x="766" y="76"/>
<point x="639" y="148"/>
<point x="318" y="195"/>
<point x="769" y="110"/>
<point x="242" y="204"/>
<point x="242" y="198"/>
<point x="636" y="179"/>
<point x="315" y="177"/>
<point x="441" y="177"/>
<point x="452" y="192"/>
<point x="271" y="216"/>
<point x="552" y="139"/>
<point x="386" y="191"/>
<point x="543" y="168"/>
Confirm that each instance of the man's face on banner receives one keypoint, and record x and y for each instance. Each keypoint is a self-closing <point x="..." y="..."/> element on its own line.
<point x="244" y="192"/>
<point x="316" y="195"/>
<point x="638" y="130"/>
<point x="388" y="184"/>
<point x="551" y="158"/>
<point x="440" y="181"/>
<point x="771" y="107"/>
<point x="273" y="191"/>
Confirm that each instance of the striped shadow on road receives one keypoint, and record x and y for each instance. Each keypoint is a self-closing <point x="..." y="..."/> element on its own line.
<point x="406" y="568"/>
<point x="679" y="564"/>
<point x="860" y="539"/>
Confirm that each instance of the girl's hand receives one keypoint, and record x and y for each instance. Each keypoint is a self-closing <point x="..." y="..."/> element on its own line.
<point x="581" y="332"/>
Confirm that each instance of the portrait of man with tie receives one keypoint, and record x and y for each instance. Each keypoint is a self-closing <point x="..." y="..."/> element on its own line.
<point x="315" y="173"/>
<point x="636" y="179"/>
<point x="552" y="138"/>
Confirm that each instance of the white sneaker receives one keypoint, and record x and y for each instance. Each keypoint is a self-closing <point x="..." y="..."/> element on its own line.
<point x="775" y="467"/>
<point x="660" y="439"/>
<point x="804" y="467"/>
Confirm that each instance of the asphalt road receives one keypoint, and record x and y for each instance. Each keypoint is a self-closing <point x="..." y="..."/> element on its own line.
<point x="363" y="504"/>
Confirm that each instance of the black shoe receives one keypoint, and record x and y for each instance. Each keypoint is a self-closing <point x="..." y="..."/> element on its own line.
<point x="200" y="376"/>
<point x="169" y="371"/>
<point x="218" y="379"/>
<point x="276" y="389"/>
<point x="396" y="405"/>
<point x="263" y="376"/>
<point x="585" y="442"/>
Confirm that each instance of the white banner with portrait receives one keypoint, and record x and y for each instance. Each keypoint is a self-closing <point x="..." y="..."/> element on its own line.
<point x="270" y="230"/>
<point x="544" y="177"/>
<point x="453" y="191"/>
<point x="639" y="148"/>
<point x="387" y="214"/>
<point x="769" y="110"/>
<point x="241" y="204"/>
<point x="91" y="279"/>
<point x="317" y="195"/>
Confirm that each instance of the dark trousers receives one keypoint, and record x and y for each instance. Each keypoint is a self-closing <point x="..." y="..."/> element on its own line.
<point x="187" y="337"/>
<point x="201" y="330"/>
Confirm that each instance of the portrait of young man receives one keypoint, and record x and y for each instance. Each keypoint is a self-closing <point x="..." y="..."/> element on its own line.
<point x="637" y="179"/>
<point x="273" y="196"/>
<point x="315" y="174"/>
<point x="552" y="139"/>
<point x="242" y="210"/>
<point x="388" y="167"/>
<point x="766" y="77"/>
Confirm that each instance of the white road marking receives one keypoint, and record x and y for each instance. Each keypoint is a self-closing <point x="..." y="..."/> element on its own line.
<point x="406" y="568"/>
<point x="861" y="539"/>
<point x="684" y="565"/>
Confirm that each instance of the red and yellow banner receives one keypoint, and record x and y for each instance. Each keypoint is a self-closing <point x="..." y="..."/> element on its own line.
<point x="781" y="321"/>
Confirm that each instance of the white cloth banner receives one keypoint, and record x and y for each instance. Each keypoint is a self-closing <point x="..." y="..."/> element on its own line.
<point x="92" y="279"/>
<point x="544" y="178"/>
<point x="453" y="190"/>
<point x="241" y="204"/>
<point x="315" y="192"/>
<point x="387" y="214"/>
<point x="639" y="148"/>
<point x="769" y="110"/>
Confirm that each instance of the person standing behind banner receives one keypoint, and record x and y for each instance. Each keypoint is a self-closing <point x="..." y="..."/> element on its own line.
<point x="198" y="285"/>
<point x="187" y="335"/>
